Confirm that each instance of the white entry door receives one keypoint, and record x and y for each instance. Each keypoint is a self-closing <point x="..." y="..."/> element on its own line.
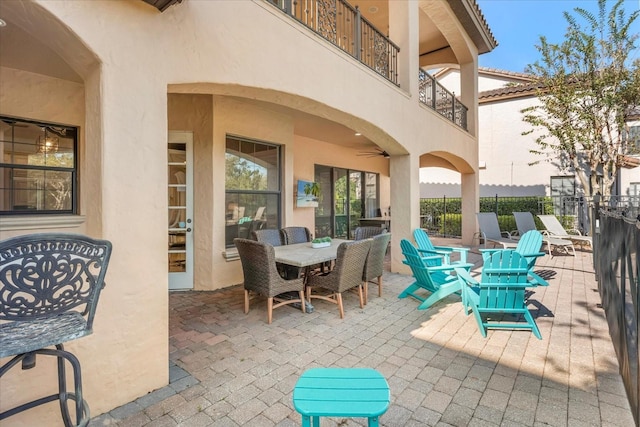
<point x="180" y="194"/>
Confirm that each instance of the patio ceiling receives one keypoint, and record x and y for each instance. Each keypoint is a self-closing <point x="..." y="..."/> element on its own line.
<point x="315" y="127"/>
<point x="22" y="51"/>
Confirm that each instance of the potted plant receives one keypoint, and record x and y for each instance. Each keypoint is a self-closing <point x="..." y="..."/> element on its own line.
<point x="321" y="242"/>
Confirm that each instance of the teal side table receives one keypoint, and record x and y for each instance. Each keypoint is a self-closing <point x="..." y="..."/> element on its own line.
<point x="341" y="392"/>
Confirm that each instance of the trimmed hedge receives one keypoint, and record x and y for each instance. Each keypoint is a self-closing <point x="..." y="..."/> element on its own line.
<point x="443" y="215"/>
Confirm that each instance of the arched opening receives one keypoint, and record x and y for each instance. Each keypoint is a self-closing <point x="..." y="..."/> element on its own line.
<point x="442" y="177"/>
<point x="50" y="76"/>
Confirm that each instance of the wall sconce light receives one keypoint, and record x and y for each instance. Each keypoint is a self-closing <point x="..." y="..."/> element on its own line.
<point x="47" y="143"/>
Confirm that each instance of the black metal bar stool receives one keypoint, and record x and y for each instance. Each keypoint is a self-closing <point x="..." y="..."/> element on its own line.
<point x="49" y="289"/>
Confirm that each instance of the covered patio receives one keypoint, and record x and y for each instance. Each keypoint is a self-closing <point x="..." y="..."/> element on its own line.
<point x="231" y="369"/>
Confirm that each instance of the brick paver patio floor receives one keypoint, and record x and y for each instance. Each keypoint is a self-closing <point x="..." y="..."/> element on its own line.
<point x="230" y="369"/>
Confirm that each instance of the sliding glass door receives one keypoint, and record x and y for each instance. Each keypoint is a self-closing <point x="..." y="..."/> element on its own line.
<point x="356" y="201"/>
<point x="347" y="196"/>
<point x="324" y="211"/>
<point x="340" y="203"/>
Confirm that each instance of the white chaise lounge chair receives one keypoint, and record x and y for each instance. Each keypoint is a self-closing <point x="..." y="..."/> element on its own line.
<point x="556" y="230"/>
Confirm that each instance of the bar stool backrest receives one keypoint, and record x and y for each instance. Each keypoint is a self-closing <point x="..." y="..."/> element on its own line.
<point x="42" y="275"/>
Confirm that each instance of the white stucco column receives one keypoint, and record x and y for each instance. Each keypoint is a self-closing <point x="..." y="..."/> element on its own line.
<point x="469" y="94"/>
<point x="470" y="181"/>
<point x="470" y="205"/>
<point x="405" y="204"/>
<point x="403" y="31"/>
<point x="91" y="156"/>
<point x="131" y="324"/>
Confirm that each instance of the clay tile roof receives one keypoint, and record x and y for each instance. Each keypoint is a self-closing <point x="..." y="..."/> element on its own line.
<point x="634" y="113"/>
<point x="484" y="23"/>
<point x="473" y="21"/>
<point x="518" y="90"/>
<point x="524" y="86"/>
<point x="630" y="162"/>
<point x="496" y="71"/>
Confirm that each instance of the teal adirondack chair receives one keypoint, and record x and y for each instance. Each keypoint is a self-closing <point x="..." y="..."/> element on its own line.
<point x="529" y="247"/>
<point x="501" y="290"/>
<point x="425" y="247"/>
<point x="430" y="275"/>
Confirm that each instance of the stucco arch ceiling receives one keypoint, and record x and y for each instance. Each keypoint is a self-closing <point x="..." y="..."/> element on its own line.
<point x="33" y="40"/>
<point x="442" y="159"/>
<point x="310" y="118"/>
<point x="444" y="26"/>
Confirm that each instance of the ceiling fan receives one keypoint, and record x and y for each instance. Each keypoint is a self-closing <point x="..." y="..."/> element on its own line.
<point x="375" y="153"/>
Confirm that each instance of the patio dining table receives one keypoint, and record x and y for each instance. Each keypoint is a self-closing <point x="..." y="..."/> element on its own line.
<point x="304" y="255"/>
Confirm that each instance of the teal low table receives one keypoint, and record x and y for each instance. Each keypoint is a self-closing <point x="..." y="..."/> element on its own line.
<point x="341" y="392"/>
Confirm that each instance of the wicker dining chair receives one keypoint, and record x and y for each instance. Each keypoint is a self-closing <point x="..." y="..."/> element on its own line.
<point x="367" y="232"/>
<point x="346" y="274"/>
<point x="261" y="276"/>
<point x="374" y="265"/>
<point x="271" y="236"/>
<point x="292" y="235"/>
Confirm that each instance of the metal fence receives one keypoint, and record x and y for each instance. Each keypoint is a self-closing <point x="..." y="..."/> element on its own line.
<point x="616" y="257"/>
<point x="443" y="216"/>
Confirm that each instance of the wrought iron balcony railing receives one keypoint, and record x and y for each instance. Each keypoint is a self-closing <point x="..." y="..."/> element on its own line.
<point x="434" y="95"/>
<point x="344" y="26"/>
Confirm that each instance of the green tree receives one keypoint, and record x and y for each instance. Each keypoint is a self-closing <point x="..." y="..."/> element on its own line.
<point x="587" y="86"/>
<point x="340" y="194"/>
<point x="242" y="174"/>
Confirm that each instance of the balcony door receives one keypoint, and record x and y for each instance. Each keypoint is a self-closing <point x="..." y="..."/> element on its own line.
<point x="180" y="205"/>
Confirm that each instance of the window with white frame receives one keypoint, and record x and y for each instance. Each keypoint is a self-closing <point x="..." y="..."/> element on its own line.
<point x="38" y="167"/>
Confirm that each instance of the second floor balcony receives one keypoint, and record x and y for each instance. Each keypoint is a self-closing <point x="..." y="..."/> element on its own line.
<point x="346" y="27"/>
<point x="435" y="96"/>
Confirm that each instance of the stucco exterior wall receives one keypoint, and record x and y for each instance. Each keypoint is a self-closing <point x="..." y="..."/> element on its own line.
<point x="34" y="96"/>
<point x="115" y="357"/>
<point x="37" y="97"/>
<point x="310" y="152"/>
<point x="123" y="158"/>
<point x="630" y="177"/>
<point x="223" y="56"/>
<point x="234" y="117"/>
<point x="504" y="153"/>
<point x="450" y="79"/>
<point x="341" y="89"/>
<point x="195" y="113"/>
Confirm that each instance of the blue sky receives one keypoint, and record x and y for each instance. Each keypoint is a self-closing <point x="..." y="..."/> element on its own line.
<point x="518" y="25"/>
